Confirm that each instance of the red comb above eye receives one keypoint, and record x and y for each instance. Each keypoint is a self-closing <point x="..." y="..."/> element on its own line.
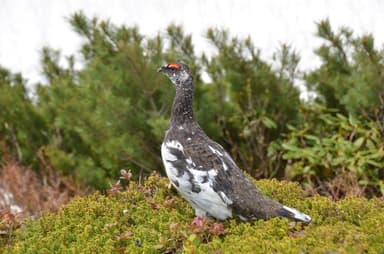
<point x="174" y="65"/>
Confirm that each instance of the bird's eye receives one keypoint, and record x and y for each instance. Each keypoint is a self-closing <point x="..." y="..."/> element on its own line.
<point x="175" y="66"/>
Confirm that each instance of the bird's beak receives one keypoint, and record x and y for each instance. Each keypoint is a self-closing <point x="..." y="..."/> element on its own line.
<point x="162" y="68"/>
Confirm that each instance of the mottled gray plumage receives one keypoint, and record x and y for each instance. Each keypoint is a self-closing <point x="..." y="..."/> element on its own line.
<point x="202" y="171"/>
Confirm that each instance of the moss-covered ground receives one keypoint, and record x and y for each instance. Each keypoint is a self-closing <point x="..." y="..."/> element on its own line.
<point x="153" y="218"/>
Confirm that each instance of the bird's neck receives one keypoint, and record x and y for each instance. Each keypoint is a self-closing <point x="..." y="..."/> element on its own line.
<point x="182" y="111"/>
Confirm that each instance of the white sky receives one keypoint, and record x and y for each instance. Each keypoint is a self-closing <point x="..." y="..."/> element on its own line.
<point x="28" y="25"/>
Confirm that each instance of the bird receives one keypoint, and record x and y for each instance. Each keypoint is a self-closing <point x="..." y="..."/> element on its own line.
<point x="202" y="171"/>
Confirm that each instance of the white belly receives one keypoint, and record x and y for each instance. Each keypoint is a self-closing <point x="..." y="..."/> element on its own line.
<point x="216" y="204"/>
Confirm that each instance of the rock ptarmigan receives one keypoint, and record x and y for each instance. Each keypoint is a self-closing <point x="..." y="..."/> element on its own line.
<point x="202" y="171"/>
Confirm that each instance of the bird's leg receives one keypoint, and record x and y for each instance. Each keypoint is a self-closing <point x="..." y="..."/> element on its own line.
<point x="200" y="213"/>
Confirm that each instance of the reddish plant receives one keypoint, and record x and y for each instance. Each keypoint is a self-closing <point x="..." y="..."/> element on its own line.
<point x="30" y="193"/>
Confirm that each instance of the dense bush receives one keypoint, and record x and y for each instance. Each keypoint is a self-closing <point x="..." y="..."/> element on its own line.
<point x="152" y="218"/>
<point x="21" y="127"/>
<point x="351" y="75"/>
<point x="335" y="154"/>
<point x="252" y="102"/>
<point x="112" y="112"/>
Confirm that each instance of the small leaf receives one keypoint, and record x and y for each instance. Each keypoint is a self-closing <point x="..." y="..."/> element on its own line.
<point x="358" y="142"/>
<point x="307" y="170"/>
<point x="370" y="145"/>
<point x="374" y="163"/>
<point x="289" y="147"/>
<point x="312" y="137"/>
<point x="269" y="123"/>
<point x="352" y="120"/>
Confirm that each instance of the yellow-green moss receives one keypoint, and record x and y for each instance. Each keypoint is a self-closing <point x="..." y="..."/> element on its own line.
<point x="153" y="219"/>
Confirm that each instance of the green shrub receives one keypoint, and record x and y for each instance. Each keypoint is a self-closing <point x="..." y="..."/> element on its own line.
<point x="249" y="102"/>
<point x="18" y="139"/>
<point x="152" y="218"/>
<point x="350" y="77"/>
<point x="91" y="121"/>
<point x="336" y="154"/>
<point x="117" y="102"/>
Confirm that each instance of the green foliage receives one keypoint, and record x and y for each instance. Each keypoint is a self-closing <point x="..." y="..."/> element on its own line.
<point x="113" y="113"/>
<point x="152" y="218"/>
<point x="351" y="76"/>
<point x="253" y="101"/>
<point x="17" y="115"/>
<point x="341" y="154"/>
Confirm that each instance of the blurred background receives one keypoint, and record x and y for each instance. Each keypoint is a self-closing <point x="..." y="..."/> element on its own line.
<point x="27" y="26"/>
<point x="292" y="89"/>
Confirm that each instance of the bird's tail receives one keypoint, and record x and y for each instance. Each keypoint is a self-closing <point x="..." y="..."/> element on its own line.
<point x="293" y="214"/>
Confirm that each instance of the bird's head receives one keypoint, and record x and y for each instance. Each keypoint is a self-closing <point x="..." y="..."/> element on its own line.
<point x="178" y="73"/>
